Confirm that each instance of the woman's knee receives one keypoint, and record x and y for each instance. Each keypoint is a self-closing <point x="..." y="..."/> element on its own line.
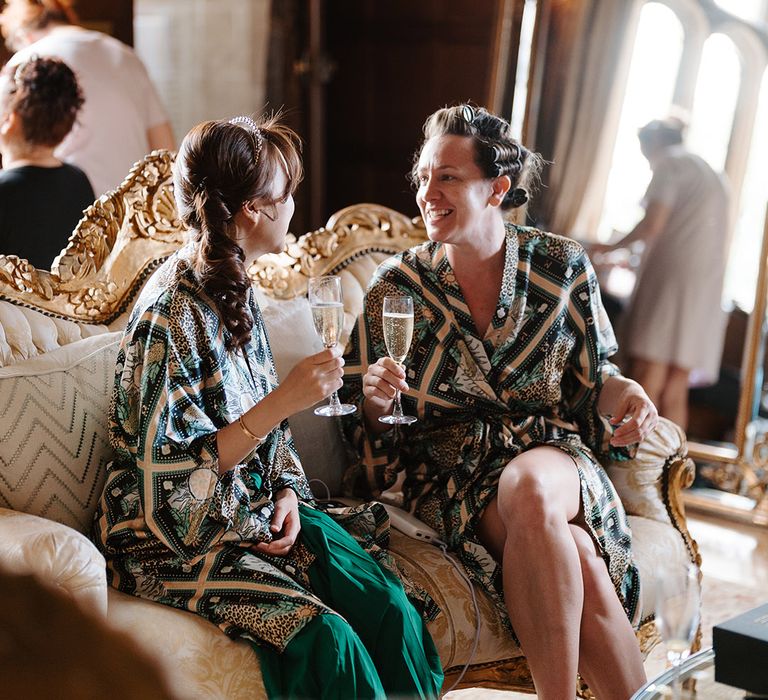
<point x="534" y="488"/>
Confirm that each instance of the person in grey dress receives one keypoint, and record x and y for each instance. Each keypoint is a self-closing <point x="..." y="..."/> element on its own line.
<point x="674" y="327"/>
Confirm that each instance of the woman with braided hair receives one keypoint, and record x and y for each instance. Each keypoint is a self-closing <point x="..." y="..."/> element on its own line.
<point x="41" y="197"/>
<point x="516" y="401"/>
<point x="206" y="507"/>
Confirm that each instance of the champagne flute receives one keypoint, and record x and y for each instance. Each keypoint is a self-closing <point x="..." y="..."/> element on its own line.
<point x="325" y="301"/>
<point x="678" y="610"/>
<point x="397" y="317"/>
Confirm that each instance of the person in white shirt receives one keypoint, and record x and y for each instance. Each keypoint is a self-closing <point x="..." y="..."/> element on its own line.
<point x="123" y="117"/>
<point x="674" y="327"/>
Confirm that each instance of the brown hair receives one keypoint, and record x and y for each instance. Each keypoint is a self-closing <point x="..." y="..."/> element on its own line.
<point x="29" y="15"/>
<point x="496" y="152"/>
<point x="220" y="166"/>
<point x="45" y="95"/>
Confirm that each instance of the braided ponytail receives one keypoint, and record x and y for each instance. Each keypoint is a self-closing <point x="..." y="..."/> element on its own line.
<point x="221" y="166"/>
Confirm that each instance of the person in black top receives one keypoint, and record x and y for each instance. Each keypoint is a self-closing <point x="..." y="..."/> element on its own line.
<point x="41" y="198"/>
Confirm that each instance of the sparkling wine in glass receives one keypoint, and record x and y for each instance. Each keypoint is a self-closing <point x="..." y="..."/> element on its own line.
<point x="678" y="609"/>
<point x="327" y="307"/>
<point x="397" y="318"/>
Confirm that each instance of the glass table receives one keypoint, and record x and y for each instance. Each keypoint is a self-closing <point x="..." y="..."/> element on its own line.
<point x="699" y="667"/>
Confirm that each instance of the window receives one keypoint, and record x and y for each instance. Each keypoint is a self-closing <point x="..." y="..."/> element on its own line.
<point x="714" y="103"/>
<point x="691" y="57"/>
<point x="741" y="275"/>
<point x="753" y="10"/>
<point x="650" y="91"/>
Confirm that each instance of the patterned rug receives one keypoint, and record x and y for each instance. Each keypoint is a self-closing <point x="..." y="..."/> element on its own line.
<point x="721" y="600"/>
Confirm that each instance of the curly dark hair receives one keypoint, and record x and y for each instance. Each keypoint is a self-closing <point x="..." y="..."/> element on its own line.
<point x="220" y="166"/>
<point x="497" y="153"/>
<point x="45" y="95"/>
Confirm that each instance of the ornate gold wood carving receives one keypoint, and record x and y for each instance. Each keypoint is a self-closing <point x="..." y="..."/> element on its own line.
<point x="96" y="276"/>
<point x="349" y="233"/>
<point x="741" y="470"/>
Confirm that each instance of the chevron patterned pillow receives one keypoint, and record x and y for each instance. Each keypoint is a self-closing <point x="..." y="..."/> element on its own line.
<point x="53" y="430"/>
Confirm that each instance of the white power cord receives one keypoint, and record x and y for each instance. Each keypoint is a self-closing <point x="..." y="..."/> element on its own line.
<point x="444" y="549"/>
<point x="320" y="481"/>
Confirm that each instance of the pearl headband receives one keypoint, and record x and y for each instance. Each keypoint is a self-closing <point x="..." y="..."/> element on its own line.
<point x="249" y="125"/>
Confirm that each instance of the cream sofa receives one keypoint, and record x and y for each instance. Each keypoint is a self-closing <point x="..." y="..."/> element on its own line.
<point x="58" y="339"/>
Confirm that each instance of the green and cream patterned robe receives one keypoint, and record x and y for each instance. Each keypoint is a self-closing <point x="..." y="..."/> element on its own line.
<point x="173" y="530"/>
<point x="534" y="379"/>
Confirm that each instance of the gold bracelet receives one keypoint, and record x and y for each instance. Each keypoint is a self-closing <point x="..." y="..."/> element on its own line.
<point x="251" y="435"/>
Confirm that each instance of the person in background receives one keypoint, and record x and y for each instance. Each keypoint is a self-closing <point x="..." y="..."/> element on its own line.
<point x="206" y="506"/>
<point x="508" y="375"/>
<point x="674" y="326"/>
<point x="41" y="198"/>
<point x="123" y="118"/>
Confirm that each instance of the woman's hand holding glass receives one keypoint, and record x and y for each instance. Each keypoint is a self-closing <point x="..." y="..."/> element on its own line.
<point x="312" y="379"/>
<point x="325" y="301"/>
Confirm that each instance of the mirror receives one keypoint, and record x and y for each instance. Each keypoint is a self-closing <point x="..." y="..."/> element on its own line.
<point x="598" y="72"/>
<point x="740" y="471"/>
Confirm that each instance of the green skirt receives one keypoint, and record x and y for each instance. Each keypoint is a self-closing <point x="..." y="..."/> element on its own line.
<point x="378" y="648"/>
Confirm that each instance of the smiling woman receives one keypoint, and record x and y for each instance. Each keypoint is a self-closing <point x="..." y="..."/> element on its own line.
<point x="508" y="375"/>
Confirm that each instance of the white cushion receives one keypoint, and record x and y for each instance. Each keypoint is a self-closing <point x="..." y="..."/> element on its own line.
<point x="43" y="330"/>
<point x="292" y="337"/>
<point x="56" y="554"/>
<point x="54" y="430"/>
<point x="25" y="333"/>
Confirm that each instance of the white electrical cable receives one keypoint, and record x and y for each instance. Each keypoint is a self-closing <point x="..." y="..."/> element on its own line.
<point x="444" y="549"/>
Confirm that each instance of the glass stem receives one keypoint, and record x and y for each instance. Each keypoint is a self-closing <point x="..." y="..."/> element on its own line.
<point x="676" y="683"/>
<point x="397" y="409"/>
<point x="334" y="401"/>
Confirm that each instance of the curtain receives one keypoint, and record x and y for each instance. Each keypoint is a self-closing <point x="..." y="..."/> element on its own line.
<point x="584" y="117"/>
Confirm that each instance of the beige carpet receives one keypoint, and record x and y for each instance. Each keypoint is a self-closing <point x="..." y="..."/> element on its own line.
<point x="721" y="600"/>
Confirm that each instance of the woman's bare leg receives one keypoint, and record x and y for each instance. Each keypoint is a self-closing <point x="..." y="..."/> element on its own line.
<point x="560" y="598"/>
<point x="609" y="655"/>
<point x="526" y="528"/>
<point x="674" y="398"/>
<point x="652" y="376"/>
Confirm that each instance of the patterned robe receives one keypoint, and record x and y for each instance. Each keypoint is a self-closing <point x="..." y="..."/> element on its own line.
<point x="173" y="530"/>
<point x="534" y="379"/>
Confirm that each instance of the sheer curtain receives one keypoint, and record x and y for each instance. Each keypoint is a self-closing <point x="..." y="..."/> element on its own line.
<point x="585" y="123"/>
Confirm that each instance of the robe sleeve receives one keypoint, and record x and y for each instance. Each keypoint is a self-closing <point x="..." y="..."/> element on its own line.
<point x="589" y="366"/>
<point x="169" y="402"/>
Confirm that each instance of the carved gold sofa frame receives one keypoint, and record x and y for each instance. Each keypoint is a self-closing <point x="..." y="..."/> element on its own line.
<point x="125" y="235"/>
